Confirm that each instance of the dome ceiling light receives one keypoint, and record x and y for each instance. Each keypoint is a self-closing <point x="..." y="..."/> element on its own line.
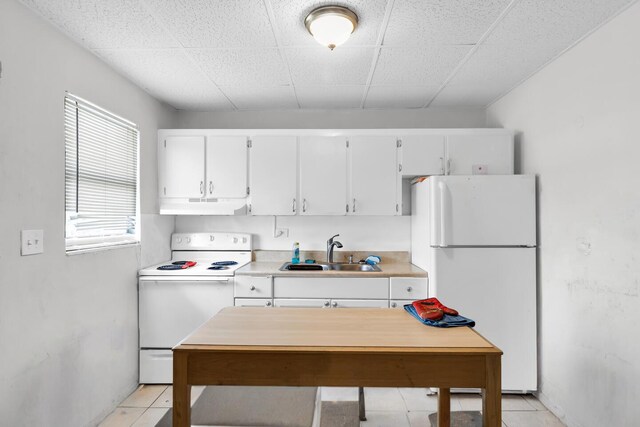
<point x="331" y="26"/>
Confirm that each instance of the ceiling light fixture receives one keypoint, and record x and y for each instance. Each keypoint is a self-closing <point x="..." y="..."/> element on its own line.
<point x="331" y="25"/>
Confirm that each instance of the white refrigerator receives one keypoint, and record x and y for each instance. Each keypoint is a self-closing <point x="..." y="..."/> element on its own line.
<point x="476" y="238"/>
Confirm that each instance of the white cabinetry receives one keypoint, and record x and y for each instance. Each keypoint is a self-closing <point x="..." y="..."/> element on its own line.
<point x="226" y="166"/>
<point x="423" y="155"/>
<point x="478" y="154"/>
<point x="323" y="175"/>
<point x="374" y="175"/>
<point x="183" y="167"/>
<point x="274" y="175"/>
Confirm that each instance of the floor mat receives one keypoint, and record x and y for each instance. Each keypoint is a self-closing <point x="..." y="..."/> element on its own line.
<point x="339" y="414"/>
<point x="460" y="419"/>
<point x="252" y="406"/>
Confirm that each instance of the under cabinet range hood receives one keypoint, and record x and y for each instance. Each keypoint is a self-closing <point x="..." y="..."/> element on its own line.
<point x="204" y="207"/>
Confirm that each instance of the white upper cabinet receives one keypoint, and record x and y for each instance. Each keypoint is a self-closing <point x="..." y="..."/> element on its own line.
<point x="423" y="155"/>
<point x="182" y="171"/>
<point x="226" y="163"/>
<point x="323" y="175"/>
<point x="273" y="172"/>
<point x="480" y="154"/>
<point x="374" y="175"/>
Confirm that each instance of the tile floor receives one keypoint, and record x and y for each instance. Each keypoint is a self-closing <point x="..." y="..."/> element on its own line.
<point x="386" y="407"/>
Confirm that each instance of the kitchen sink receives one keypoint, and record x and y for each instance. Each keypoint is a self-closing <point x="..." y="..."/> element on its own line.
<point x="338" y="266"/>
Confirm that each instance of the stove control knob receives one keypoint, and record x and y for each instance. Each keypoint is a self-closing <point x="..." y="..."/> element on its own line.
<point x="179" y="239"/>
<point x="244" y="240"/>
<point x="235" y="240"/>
<point x="212" y="238"/>
<point x="188" y="239"/>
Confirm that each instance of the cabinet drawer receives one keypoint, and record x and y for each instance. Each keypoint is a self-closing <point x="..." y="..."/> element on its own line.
<point x="412" y="288"/>
<point x="253" y="287"/>
<point x="331" y="287"/>
<point x="359" y="303"/>
<point x="302" y="303"/>
<point x="253" y="302"/>
<point x="399" y="303"/>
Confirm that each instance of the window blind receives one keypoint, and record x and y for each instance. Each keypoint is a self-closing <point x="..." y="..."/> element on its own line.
<point x="101" y="176"/>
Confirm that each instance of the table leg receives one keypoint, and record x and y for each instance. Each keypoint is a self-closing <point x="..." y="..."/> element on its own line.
<point x="492" y="394"/>
<point x="363" y="414"/>
<point x="181" y="391"/>
<point x="444" y="407"/>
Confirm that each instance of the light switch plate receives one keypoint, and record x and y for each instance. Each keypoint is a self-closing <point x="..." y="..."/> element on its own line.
<point x="479" y="169"/>
<point x="32" y="242"/>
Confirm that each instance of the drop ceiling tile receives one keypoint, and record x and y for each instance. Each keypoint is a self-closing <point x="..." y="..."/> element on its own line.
<point x="169" y="76"/>
<point x="467" y="96"/>
<point x="425" y="66"/>
<point x="330" y="96"/>
<point x="530" y="35"/>
<point x="399" y="96"/>
<point x="420" y="22"/>
<point x="321" y="66"/>
<point x="249" y="67"/>
<point x="290" y="15"/>
<point x="262" y="98"/>
<point x="216" y="23"/>
<point x="105" y="23"/>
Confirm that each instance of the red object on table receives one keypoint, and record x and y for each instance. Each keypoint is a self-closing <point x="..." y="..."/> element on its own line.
<point x="432" y="309"/>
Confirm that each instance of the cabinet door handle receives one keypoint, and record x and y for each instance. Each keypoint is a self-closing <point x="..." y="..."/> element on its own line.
<point x="304" y="205"/>
<point x="409" y="288"/>
<point x="334" y="304"/>
<point x="442" y="165"/>
<point x="268" y="304"/>
<point x="327" y="303"/>
<point x="252" y="288"/>
<point x="202" y="187"/>
<point x="394" y="305"/>
<point x="210" y="187"/>
<point x="293" y="207"/>
<point x="354" y="205"/>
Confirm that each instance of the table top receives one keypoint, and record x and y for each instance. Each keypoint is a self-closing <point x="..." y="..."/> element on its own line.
<point x="319" y="329"/>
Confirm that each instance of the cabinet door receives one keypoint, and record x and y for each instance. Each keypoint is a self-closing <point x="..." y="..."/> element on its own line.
<point x="480" y="154"/>
<point x="374" y="175"/>
<point x="273" y="174"/>
<point x="183" y="171"/>
<point x="422" y="155"/>
<point x="323" y="175"/>
<point x="359" y="303"/>
<point x="226" y="167"/>
<point x="278" y="302"/>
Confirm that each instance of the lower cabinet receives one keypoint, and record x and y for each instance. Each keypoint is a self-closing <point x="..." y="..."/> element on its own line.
<point x="253" y="302"/>
<point x="328" y="292"/>
<point x="330" y="303"/>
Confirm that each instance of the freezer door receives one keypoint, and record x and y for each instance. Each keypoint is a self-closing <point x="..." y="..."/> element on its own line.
<point x="489" y="210"/>
<point x="171" y="310"/>
<point x="496" y="287"/>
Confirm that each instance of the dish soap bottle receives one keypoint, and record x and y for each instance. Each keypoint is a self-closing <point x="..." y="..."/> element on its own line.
<point x="295" y="253"/>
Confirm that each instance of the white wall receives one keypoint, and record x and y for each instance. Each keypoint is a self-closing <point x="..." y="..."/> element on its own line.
<point x="68" y="324"/>
<point x="578" y="120"/>
<point x="335" y="119"/>
<point x="356" y="233"/>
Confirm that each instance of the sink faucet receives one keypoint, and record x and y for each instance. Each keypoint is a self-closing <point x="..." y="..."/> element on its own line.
<point x="330" y="245"/>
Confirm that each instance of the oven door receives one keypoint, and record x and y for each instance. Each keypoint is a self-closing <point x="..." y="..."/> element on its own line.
<point x="171" y="308"/>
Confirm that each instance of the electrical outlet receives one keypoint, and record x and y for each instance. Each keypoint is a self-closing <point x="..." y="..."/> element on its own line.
<point x="32" y="242"/>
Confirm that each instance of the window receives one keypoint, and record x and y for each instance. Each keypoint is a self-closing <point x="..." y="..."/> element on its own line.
<point x="101" y="177"/>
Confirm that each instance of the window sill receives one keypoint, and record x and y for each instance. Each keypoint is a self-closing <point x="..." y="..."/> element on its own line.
<point x="87" y="250"/>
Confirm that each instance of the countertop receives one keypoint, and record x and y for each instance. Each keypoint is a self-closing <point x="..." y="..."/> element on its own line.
<point x="270" y="268"/>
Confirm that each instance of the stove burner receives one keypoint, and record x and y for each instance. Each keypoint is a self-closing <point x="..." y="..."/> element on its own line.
<point x="224" y="263"/>
<point x="178" y="265"/>
<point x="217" y="267"/>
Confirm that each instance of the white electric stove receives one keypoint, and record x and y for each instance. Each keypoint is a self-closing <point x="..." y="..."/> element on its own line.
<point x="177" y="296"/>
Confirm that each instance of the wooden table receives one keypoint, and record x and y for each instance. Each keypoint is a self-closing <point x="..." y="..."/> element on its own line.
<point x="345" y="347"/>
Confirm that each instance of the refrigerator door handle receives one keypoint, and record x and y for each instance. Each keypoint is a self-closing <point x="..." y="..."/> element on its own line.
<point x="443" y="212"/>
